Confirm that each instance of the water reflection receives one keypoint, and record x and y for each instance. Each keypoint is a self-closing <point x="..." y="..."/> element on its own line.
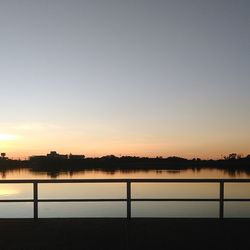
<point x="176" y="209"/>
<point x="175" y="190"/>
<point x="82" y="191"/>
<point x="25" y="173"/>
<point x="16" y="191"/>
<point x="8" y="192"/>
<point x="16" y="210"/>
<point x="82" y="209"/>
<point x="237" y="209"/>
<point x="237" y="190"/>
<point x="116" y="190"/>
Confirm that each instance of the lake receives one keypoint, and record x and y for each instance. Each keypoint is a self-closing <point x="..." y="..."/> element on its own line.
<point x="118" y="190"/>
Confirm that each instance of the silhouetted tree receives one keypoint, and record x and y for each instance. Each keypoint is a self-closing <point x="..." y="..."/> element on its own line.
<point x="232" y="156"/>
<point x="3" y="155"/>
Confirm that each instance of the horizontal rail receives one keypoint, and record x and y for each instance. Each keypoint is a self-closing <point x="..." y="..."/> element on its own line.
<point x="17" y="200"/>
<point x="221" y="199"/>
<point x="127" y="180"/>
<point x="124" y="200"/>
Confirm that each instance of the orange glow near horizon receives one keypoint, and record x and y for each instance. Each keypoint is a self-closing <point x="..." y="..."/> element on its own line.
<point x="101" y="152"/>
<point x="40" y="139"/>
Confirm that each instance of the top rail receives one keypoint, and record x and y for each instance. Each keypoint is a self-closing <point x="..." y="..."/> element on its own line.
<point x="125" y="180"/>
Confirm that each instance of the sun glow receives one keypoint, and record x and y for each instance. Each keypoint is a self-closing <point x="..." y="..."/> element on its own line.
<point x="8" y="192"/>
<point x="7" y="137"/>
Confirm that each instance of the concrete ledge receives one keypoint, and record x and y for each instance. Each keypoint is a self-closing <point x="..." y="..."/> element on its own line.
<point x="125" y="234"/>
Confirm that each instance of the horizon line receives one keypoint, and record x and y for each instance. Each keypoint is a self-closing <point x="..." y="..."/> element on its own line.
<point x="238" y="155"/>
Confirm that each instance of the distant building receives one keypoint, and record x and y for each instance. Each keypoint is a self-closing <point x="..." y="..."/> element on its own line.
<point x="55" y="155"/>
<point x="76" y="157"/>
<point x="37" y="157"/>
<point x="52" y="155"/>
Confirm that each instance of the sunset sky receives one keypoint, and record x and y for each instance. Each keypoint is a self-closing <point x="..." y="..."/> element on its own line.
<point x="132" y="77"/>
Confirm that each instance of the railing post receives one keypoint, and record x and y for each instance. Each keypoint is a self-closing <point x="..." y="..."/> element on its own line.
<point x="35" y="199"/>
<point x="128" y="199"/>
<point x="221" y="200"/>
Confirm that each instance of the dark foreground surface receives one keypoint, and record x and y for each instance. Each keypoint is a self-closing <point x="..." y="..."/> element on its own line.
<point x="125" y="234"/>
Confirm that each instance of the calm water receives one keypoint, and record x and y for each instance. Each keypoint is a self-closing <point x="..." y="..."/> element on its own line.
<point x="118" y="209"/>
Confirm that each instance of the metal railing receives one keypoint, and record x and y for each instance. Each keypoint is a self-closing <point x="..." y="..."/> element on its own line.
<point x="35" y="200"/>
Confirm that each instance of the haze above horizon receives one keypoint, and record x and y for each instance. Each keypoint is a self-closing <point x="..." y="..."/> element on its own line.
<point x="146" y="78"/>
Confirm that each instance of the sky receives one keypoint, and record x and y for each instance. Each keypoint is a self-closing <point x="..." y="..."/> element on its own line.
<point x="131" y="77"/>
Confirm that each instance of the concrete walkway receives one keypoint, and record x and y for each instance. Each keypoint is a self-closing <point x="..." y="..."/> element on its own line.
<point x="45" y="234"/>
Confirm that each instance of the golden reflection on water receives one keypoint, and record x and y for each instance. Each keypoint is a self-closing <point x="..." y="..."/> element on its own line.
<point x="8" y="191"/>
<point x="99" y="174"/>
<point x="139" y="190"/>
<point x="15" y="191"/>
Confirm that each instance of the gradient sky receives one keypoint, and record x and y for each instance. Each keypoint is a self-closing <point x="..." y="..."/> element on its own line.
<point x="131" y="77"/>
